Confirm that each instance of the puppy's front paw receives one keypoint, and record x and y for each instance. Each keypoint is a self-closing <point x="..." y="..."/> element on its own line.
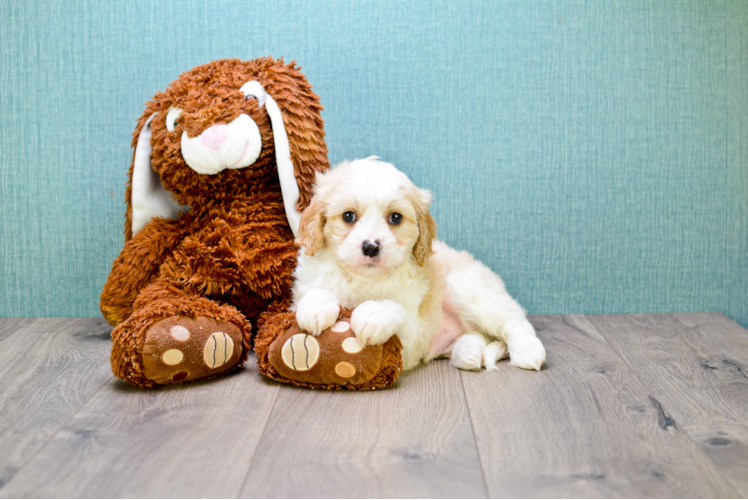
<point x="317" y="311"/>
<point x="527" y="353"/>
<point x="375" y="321"/>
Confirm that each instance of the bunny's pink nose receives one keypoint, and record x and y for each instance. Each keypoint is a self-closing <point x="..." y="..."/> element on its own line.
<point x="214" y="136"/>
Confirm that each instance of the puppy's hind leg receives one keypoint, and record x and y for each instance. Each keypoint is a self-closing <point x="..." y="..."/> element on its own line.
<point x="480" y="300"/>
<point x="494" y="352"/>
<point x="473" y="349"/>
<point x="467" y="352"/>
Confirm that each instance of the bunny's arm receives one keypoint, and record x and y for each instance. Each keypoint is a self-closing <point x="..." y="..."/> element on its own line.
<point x="246" y="252"/>
<point x="137" y="265"/>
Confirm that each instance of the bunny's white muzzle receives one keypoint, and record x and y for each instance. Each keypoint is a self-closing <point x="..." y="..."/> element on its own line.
<point x="236" y="145"/>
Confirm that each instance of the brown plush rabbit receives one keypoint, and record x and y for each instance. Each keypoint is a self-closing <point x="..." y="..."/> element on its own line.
<point x="224" y="162"/>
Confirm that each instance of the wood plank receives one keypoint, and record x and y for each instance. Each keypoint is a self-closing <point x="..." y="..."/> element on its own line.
<point x="585" y="426"/>
<point x="193" y="440"/>
<point x="9" y="326"/>
<point x="49" y="368"/>
<point x="696" y="365"/>
<point x="412" y="440"/>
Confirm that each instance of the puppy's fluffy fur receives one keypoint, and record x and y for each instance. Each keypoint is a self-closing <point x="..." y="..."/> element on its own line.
<point x="399" y="278"/>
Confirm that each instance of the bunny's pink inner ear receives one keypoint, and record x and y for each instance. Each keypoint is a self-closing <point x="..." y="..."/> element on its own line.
<point x="149" y="199"/>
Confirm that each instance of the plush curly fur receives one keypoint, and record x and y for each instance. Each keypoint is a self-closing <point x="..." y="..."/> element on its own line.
<point x="232" y="254"/>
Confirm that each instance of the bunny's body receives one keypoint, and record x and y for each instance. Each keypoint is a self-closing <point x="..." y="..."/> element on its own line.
<point x="224" y="162"/>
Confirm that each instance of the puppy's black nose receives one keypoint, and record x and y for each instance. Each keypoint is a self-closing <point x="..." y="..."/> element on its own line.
<point x="370" y="249"/>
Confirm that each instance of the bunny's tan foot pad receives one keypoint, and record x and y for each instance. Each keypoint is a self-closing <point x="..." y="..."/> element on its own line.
<point x="332" y="360"/>
<point x="180" y="349"/>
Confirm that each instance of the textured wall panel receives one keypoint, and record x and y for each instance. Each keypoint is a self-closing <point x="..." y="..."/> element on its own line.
<point x="594" y="153"/>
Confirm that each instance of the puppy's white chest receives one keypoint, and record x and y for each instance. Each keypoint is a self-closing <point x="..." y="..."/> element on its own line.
<point x="407" y="293"/>
<point x="405" y="286"/>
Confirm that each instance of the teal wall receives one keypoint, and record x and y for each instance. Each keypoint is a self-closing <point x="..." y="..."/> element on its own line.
<point x="594" y="153"/>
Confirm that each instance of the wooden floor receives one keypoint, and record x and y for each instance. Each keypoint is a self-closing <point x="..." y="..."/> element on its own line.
<point x="627" y="406"/>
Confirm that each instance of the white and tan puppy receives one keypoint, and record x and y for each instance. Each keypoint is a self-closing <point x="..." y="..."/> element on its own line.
<point x="368" y="242"/>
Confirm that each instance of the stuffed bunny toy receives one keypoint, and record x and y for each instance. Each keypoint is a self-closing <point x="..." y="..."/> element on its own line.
<point x="224" y="162"/>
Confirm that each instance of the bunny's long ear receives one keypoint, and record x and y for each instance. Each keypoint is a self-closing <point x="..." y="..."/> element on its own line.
<point x="298" y="130"/>
<point x="305" y="131"/>
<point x="146" y="197"/>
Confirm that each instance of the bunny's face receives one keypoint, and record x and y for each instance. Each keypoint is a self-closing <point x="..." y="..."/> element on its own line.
<point x="225" y="129"/>
<point x="212" y="134"/>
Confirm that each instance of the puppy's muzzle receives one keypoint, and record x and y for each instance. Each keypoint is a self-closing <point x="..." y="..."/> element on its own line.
<point x="370" y="249"/>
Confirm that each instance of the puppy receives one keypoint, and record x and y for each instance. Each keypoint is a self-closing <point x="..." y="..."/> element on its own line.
<point x="368" y="242"/>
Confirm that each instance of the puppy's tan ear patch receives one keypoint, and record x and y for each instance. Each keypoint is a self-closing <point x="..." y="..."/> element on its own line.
<point x="312" y="222"/>
<point x="426" y="227"/>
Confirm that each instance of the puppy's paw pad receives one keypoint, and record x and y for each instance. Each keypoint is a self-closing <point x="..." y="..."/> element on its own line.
<point x="528" y="354"/>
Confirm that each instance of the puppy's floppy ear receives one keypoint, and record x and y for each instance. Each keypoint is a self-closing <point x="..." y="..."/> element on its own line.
<point x="422" y="250"/>
<point x="311" y="224"/>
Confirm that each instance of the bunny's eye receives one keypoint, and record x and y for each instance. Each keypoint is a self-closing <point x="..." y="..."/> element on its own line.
<point x="172" y="119"/>
<point x="254" y="90"/>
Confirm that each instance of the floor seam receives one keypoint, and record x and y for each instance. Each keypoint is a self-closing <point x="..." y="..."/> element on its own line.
<point x="475" y="437"/>
<point x="259" y="441"/>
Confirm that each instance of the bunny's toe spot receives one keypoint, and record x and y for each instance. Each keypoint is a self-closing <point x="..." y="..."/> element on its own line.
<point x="180" y="333"/>
<point x="345" y="369"/>
<point x="341" y="326"/>
<point x="172" y="357"/>
<point x="351" y="345"/>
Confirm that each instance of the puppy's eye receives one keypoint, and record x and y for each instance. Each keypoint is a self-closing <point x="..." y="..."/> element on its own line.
<point x="349" y="217"/>
<point x="248" y="97"/>
<point x="171" y="119"/>
<point x="395" y="218"/>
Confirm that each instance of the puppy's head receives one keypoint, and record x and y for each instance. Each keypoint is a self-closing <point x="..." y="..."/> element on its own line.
<point x="370" y="216"/>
